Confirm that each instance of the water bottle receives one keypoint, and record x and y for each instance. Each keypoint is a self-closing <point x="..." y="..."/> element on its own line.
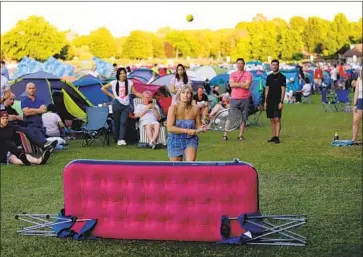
<point x="8" y="158"/>
<point x="336" y="137"/>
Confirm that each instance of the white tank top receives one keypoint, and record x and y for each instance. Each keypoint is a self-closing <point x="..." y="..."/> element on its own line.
<point x="360" y="89"/>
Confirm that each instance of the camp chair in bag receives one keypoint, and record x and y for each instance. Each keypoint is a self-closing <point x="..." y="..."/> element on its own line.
<point x="96" y="126"/>
<point x="143" y="140"/>
<point x="328" y="104"/>
<point x="342" y="100"/>
<point x="55" y="225"/>
<point x="264" y="230"/>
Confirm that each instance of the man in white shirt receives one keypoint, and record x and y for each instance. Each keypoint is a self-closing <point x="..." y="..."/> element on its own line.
<point x="334" y="76"/>
<point x="306" y="90"/>
<point x="149" y="118"/>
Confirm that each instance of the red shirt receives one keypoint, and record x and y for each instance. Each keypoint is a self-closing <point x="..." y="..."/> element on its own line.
<point x="318" y="74"/>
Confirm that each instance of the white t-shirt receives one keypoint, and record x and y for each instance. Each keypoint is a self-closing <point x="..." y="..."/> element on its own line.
<point x="50" y="122"/>
<point x="4" y="85"/>
<point x="149" y="117"/>
<point x="306" y="90"/>
<point x="178" y="84"/>
<point x="334" y="74"/>
<point x="120" y="96"/>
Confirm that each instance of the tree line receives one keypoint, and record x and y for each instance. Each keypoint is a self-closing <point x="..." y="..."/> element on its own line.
<point x="257" y="39"/>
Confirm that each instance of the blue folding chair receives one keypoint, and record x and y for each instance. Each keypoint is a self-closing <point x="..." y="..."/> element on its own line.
<point x="328" y="102"/>
<point x="342" y="102"/>
<point x="97" y="126"/>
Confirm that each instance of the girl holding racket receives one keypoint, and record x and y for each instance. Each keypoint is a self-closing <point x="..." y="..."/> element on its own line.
<point x="182" y="123"/>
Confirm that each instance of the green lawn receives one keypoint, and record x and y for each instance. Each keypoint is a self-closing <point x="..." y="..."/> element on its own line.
<point x="302" y="175"/>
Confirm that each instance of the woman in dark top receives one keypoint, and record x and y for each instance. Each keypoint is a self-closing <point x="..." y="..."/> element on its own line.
<point x="9" y="153"/>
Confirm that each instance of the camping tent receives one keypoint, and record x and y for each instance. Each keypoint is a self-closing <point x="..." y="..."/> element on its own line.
<point x="143" y="75"/>
<point x="69" y="102"/>
<point x="57" y="68"/>
<point x="291" y="73"/>
<point x="165" y="81"/>
<point x="90" y="87"/>
<point x="103" y="68"/>
<point x="209" y="72"/>
<point x="220" y="80"/>
<point x="27" y="66"/>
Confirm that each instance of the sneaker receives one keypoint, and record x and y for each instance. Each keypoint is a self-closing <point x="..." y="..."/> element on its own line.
<point x="121" y="142"/>
<point x="45" y="157"/>
<point x="241" y="138"/>
<point x="272" y="140"/>
<point x="23" y="158"/>
<point x="277" y="140"/>
<point x="51" y="146"/>
<point x="153" y="144"/>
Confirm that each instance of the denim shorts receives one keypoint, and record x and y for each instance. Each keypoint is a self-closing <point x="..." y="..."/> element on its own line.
<point x="360" y="104"/>
<point x="177" y="145"/>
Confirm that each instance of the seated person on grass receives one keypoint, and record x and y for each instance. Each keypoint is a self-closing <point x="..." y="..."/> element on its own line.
<point x="221" y="106"/>
<point x="9" y="153"/>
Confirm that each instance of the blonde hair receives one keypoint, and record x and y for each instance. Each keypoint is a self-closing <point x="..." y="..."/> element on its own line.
<point x="183" y="88"/>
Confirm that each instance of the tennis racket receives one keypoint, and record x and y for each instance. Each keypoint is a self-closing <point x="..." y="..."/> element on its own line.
<point x="227" y="120"/>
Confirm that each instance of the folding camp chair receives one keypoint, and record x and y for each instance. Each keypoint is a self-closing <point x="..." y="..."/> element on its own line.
<point x="328" y="102"/>
<point x="255" y="110"/>
<point x="143" y="140"/>
<point x="307" y="99"/>
<point x="96" y="126"/>
<point x="55" y="225"/>
<point x="264" y="230"/>
<point x="28" y="147"/>
<point x="342" y="100"/>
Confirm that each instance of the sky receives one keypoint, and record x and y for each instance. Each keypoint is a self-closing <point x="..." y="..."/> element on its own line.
<point x="123" y="17"/>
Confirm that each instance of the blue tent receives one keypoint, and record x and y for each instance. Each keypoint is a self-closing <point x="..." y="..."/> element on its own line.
<point x="90" y="87"/>
<point x="254" y="63"/>
<point x="57" y="68"/>
<point x="27" y="66"/>
<point x="166" y="79"/>
<point x="41" y="80"/>
<point x="292" y="73"/>
<point x="103" y="68"/>
<point x="257" y="87"/>
<point x="143" y="75"/>
<point x="220" y="80"/>
<point x="69" y="102"/>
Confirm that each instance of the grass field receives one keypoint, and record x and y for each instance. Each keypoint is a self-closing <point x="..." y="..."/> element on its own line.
<point x="302" y="175"/>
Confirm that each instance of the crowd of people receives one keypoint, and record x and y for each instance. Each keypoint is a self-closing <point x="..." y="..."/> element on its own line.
<point x="187" y="116"/>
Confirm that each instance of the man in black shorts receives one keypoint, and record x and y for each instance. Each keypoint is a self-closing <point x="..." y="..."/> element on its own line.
<point x="274" y="97"/>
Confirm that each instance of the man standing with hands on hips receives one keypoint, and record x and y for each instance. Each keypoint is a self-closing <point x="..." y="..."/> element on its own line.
<point x="274" y="97"/>
<point x="240" y="82"/>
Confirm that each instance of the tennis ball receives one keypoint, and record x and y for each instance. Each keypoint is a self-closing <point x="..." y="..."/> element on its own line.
<point x="190" y="18"/>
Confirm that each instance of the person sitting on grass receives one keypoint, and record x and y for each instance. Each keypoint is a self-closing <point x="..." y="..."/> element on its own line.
<point x="149" y="118"/>
<point x="54" y="126"/>
<point x="9" y="153"/>
<point x="221" y="106"/>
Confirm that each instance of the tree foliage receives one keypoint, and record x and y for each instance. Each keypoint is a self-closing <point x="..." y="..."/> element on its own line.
<point x="255" y="39"/>
<point x="34" y="37"/>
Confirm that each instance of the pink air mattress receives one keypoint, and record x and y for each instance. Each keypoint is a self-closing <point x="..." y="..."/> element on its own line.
<point x="159" y="200"/>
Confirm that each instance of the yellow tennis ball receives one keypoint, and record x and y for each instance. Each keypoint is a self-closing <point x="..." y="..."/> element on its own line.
<point x="190" y="18"/>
